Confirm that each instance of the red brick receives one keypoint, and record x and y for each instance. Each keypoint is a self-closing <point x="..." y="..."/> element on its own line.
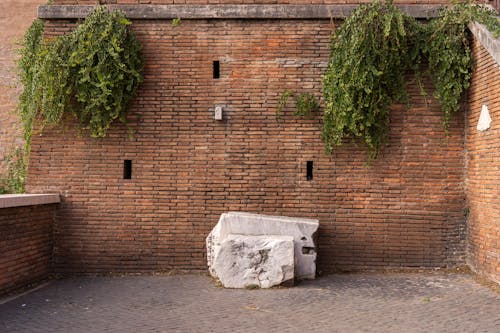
<point x="26" y="243"/>
<point x="406" y="210"/>
<point x="483" y="168"/>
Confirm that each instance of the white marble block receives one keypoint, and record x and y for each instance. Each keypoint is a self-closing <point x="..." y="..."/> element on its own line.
<point x="264" y="261"/>
<point x="303" y="232"/>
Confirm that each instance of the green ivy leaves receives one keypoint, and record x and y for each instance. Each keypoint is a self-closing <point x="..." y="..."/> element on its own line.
<point x="448" y="52"/>
<point x="92" y="73"/>
<point x="13" y="179"/>
<point x="106" y="61"/>
<point x="370" y="54"/>
<point x="373" y="50"/>
<point x="29" y="74"/>
<point x="305" y="104"/>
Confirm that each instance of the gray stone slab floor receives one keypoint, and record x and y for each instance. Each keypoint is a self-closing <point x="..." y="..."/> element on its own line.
<point x="397" y="302"/>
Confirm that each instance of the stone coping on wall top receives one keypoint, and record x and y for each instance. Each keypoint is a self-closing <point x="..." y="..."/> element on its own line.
<point x="487" y="40"/>
<point x="304" y="11"/>
<point x="19" y="200"/>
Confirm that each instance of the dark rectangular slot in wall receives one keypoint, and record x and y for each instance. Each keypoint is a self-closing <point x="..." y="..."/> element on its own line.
<point x="216" y="69"/>
<point x="127" y="169"/>
<point x="309" y="171"/>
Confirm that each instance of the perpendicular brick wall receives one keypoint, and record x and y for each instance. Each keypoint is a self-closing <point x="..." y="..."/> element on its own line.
<point x="26" y="241"/>
<point x="483" y="167"/>
<point x="405" y="210"/>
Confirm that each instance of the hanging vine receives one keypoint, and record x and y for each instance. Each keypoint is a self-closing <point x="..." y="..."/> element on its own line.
<point x="449" y="55"/>
<point x="12" y="181"/>
<point x="29" y="75"/>
<point x="305" y="104"/>
<point x="106" y="62"/>
<point x="91" y="73"/>
<point x="371" y="53"/>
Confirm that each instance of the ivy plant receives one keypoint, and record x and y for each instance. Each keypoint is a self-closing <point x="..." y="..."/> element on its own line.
<point x="12" y="181"/>
<point x="105" y="59"/>
<point x="449" y="55"/>
<point x="305" y="104"/>
<point x="29" y="75"/>
<point x="92" y="73"/>
<point x="370" y="54"/>
<point x="375" y="48"/>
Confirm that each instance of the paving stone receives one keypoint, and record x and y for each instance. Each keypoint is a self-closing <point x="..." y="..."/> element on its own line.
<point x="191" y="303"/>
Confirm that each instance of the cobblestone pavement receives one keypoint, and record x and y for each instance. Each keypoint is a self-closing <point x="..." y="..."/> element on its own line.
<point x="191" y="303"/>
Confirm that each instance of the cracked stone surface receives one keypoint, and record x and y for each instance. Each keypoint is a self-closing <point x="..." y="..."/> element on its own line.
<point x="302" y="230"/>
<point x="264" y="261"/>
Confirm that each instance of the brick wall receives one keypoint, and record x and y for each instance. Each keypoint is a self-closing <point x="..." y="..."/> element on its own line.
<point x="406" y="210"/>
<point x="483" y="168"/>
<point x="26" y="245"/>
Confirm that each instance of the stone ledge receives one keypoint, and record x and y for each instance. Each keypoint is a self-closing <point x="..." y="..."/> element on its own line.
<point x="306" y="11"/>
<point x="485" y="37"/>
<point x="18" y="200"/>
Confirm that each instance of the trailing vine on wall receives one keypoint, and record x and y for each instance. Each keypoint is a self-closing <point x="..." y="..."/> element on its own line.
<point x="305" y="104"/>
<point x="92" y="73"/>
<point x="16" y="161"/>
<point x="370" y="54"/>
<point x="13" y="179"/>
<point x="29" y="75"/>
<point x="373" y="50"/>
<point x="448" y="52"/>
<point x="106" y="61"/>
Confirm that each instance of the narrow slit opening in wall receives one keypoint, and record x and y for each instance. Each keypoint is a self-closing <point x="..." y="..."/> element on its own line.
<point x="216" y="67"/>
<point x="309" y="170"/>
<point x="127" y="169"/>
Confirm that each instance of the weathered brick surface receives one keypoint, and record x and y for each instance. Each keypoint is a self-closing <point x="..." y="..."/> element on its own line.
<point x="25" y="244"/>
<point x="405" y="210"/>
<point x="483" y="168"/>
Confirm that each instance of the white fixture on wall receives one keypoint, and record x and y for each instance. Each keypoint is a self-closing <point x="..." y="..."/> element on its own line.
<point x="218" y="112"/>
<point x="484" y="121"/>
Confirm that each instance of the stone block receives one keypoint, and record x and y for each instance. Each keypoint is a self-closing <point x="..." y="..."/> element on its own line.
<point x="246" y="261"/>
<point x="302" y="230"/>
